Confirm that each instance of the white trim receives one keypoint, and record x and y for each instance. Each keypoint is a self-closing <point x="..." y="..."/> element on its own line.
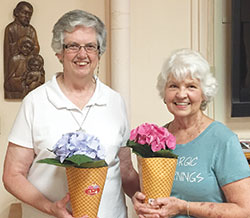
<point x="202" y="35"/>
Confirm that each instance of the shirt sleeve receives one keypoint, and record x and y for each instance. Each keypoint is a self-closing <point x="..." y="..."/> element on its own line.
<point x="21" y="132"/>
<point x="231" y="163"/>
<point x="126" y="128"/>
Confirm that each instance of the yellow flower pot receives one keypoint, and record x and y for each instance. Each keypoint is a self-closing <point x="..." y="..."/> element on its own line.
<point x="85" y="188"/>
<point x="156" y="176"/>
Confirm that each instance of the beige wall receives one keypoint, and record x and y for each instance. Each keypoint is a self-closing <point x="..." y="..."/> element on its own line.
<point x="157" y="28"/>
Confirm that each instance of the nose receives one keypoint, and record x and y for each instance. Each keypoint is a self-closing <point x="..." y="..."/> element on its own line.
<point x="182" y="92"/>
<point x="82" y="51"/>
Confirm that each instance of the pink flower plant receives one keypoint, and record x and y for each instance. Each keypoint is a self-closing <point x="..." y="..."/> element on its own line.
<point x="150" y="140"/>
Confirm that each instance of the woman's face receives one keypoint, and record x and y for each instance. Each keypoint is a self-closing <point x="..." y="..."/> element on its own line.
<point x="80" y="63"/>
<point x="183" y="98"/>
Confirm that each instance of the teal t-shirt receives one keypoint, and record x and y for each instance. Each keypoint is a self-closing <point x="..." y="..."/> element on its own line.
<point x="207" y="163"/>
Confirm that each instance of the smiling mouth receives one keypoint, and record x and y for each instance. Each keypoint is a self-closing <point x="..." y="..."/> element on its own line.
<point x="81" y="63"/>
<point x="182" y="103"/>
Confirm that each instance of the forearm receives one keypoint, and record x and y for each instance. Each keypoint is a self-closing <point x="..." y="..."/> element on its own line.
<point x="237" y="195"/>
<point x="27" y="193"/>
<point x="130" y="183"/>
<point x="130" y="178"/>
<point x="217" y="210"/>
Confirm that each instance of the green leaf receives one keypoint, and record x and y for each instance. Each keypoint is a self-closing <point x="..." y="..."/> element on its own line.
<point x="131" y="143"/>
<point x="145" y="151"/>
<point x="165" y="153"/>
<point x="138" y="149"/>
<point x="79" y="159"/>
<point x="55" y="162"/>
<point x="80" y="162"/>
<point x="94" y="164"/>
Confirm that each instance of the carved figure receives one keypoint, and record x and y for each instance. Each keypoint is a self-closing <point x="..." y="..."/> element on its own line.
<point x="35" y="76"/>
<point x="14" y="31"/>
<point x="14" y="82"/>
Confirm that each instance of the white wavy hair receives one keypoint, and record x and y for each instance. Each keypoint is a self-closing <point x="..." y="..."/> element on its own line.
<point x="185" y="62"/>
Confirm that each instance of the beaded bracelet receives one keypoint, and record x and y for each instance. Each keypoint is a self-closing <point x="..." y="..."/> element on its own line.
<point x="188" y="209"/>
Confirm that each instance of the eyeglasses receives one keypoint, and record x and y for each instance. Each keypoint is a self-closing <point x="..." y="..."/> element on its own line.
<point x="74" y="47"/>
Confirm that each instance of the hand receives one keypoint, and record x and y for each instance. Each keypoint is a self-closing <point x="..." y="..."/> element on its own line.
<point x="60" y="211"/>
<point x="144" y="210"/>
<point x="169" y="207"/>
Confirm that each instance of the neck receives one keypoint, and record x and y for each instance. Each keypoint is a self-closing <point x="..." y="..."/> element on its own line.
<point x="77" y="84"/>
<point x="79" y="92"/>
<point x="188" y="122"/>
<point x="187" y="129"/>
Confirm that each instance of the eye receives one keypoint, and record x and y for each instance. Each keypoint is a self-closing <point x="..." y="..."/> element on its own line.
<point x="172" y="85"/>
<point x="192" y="86"/>
<point x="73" y="46"/>
<point x="91" y="47"/>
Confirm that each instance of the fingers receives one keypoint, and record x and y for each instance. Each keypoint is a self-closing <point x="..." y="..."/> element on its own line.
<point x="164" y="201"/>
<point x="59" y="208"/>
<point x="159" y="202"/>
<point x="138" y="196"/>
<point x="64" y="201"/>
<point x="149" y="216"/>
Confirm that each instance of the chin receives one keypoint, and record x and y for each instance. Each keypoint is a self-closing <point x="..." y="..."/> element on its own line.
<point x="181" y="113"/>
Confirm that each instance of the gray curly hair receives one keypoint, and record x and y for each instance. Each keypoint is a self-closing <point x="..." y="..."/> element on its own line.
<point x="72" y="19"/>
<point x="186" y="62"/>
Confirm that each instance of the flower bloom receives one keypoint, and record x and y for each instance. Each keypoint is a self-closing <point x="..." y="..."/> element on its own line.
<point x="78" y="143"/>
<point x="157" y="137"/>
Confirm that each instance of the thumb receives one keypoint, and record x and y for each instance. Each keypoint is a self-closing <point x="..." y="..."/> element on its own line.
<point x="65" y="200"/>
<point x="140" y="195"/>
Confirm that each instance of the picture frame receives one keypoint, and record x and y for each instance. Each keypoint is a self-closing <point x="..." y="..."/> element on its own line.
<point x="240" y="70"/>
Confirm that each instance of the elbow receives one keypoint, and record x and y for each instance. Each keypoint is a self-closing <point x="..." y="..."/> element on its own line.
<point x="5" y="181"/>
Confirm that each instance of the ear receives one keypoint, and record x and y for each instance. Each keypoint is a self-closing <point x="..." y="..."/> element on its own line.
<point x="60" y="57"/>
<point x="203" y="97"/>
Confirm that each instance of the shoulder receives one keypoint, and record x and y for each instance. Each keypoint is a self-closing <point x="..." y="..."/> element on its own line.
<point x="37" y="94"/>
<point x="32" y="28"/>
<point x="221" y="130"/>
<point x="10" y="25"/>
<point x="111" y="98"/>
<point x="221" y="135"/>
<point x="109" y="92"/>
<point x="219" y="124"/>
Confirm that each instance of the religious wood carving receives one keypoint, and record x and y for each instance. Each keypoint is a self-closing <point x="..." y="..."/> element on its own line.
<point x="23" y="66"/>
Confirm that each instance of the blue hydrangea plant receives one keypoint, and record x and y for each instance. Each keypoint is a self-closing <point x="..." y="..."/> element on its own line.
<point x="77" y="149"/>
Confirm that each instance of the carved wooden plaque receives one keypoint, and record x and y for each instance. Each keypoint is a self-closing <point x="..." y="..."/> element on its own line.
<point x="23" y="66"/>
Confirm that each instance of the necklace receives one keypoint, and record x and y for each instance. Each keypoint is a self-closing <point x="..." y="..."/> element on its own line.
<point x="80" y="125"/>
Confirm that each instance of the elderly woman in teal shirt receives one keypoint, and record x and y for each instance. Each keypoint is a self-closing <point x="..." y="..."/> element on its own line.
<point x="212" y="174"/>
